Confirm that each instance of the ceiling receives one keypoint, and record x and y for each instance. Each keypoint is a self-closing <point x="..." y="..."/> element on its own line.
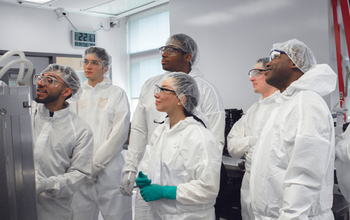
<point x="104" y="8"/>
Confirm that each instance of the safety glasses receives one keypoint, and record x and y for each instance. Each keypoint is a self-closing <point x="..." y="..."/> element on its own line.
<point x="170" y="51"/>
<point x="47" y="80"/>
<point x="93" y="63"/>
<point x="256" y="72"/>
<point x="276" y="54"/>
<point x="160" y="90"/>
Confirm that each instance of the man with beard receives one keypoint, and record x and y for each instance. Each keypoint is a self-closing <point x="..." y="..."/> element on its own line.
<point x="63" y="143"/>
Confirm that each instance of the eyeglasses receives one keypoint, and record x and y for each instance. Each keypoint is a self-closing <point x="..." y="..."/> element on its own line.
<point x="47" y="80"/>
<point x="160" y="90"/>
<point x="170" y="51"/>
<point x="93" y="63"/>
<point x="276" y="54"/>
<point x="256" y="72"/>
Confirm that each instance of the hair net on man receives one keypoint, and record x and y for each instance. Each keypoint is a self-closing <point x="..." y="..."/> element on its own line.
<point x="68" y="75"/>
<point x="184" y="86"/>
<point x="187" y="44"/>
<point x="298" y="52"/>
<point x="101" y="54"/>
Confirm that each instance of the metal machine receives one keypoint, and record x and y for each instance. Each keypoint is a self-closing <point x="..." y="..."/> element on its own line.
<point x="17" y="174"/>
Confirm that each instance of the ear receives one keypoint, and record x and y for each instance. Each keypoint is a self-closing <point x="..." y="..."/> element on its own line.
<point x="105" y="70"/>
<point x="182" y="100"/>
<point x="293" y="66"/>
<point x="188" y="57"/>
<point x="66" y="92"/>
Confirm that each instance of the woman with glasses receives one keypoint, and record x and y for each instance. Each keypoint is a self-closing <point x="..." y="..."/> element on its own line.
<point x="182" y="163"/>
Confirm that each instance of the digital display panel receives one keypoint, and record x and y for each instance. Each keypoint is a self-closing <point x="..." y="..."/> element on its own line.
<point x="84" y="39"/>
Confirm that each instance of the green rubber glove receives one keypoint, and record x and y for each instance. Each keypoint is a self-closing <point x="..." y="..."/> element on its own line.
<point x="142" y="180"/>
<point x="155" y="192"/>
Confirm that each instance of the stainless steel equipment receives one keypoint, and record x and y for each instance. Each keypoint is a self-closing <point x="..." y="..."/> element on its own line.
<point x="17" y="174"/>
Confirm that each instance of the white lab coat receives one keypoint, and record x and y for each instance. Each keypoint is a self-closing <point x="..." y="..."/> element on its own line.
<point x="342" y="152"/>
<point x="63" y="147"/>
<point x="105" y="108"/>
<point x="143" y="126"/>
<point x="242" y="139"/>
<point x="187" y="156"/>
<point x="293" y="161"/>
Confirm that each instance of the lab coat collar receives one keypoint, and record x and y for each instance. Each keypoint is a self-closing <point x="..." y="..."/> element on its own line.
<point x="102" y="85"/>
<point x="45" y="113"/>
<point x="320" y="79"/>
<point x="269" y="99"/>
<point x="182" y="124"/>
<point x="195" y="72"/>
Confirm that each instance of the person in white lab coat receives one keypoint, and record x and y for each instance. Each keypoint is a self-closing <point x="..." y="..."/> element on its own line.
<point x="63" y="143"/>
<point x="105" y="108"/>
<point x="293" y="160"/>
<point x="179" y="54"/>
<point x="246" y="131"/>
<point x="342" y="163"/>
<point x="183" y="158"/>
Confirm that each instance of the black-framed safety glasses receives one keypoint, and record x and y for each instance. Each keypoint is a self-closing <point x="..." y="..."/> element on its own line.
<point x="160" y="90"/>
<point x="276" y="54"/>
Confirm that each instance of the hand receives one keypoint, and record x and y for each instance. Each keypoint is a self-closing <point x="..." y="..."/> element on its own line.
<point x="142" y="180"/>
<point x="127" y="183"/>
<point x="39" y="187"/>
<point x="94" y="173"/>
<point x="156" y="192"/>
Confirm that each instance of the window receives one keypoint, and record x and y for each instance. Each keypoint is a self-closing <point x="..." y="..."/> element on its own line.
<point x="147" y="31"/>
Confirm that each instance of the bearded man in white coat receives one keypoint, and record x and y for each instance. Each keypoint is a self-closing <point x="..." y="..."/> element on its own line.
<point x="63" y="143"/>
<point x="293" y="160"/>
<point x="105" y="107"/>
<point x="179" y="55"/>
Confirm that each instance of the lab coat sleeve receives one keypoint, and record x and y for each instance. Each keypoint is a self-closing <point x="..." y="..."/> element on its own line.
<point x="238" y="143"/>
<point x="213" y="107"/>
<point x="309" y="143"/>
<point x="217" y="125"/>
<point x="201" y="154"/>
<point x="118" y="134"/>
<point x="138" y="137"/>
<point x="77" y="174"/>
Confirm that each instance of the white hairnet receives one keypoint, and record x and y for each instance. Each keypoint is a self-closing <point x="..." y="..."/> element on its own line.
<point x="184" y="85"/>
<point x="67" y="74"/>
<point x="298" y="52"/>
<point x="187" y="44"/>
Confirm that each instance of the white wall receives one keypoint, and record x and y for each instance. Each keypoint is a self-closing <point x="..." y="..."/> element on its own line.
<point x="232" y="35"/>
<point x="38" y="30"/>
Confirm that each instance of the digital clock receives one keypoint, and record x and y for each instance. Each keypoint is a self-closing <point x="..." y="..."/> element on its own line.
<point x="84" y="39"/>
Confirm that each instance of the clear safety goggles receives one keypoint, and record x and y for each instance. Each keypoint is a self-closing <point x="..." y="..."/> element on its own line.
<point x="170" y="50"/>
<point x="93" y="63"/>
<point x="256" y="72"/>
<point x="47" y="80"/>
<point x="160" y="90"/>
<point x="276" y="54"/>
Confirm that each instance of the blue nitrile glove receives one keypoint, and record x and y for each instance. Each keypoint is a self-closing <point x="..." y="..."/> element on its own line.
<point x="155" y="192"/>
<point x="142" y="180"/>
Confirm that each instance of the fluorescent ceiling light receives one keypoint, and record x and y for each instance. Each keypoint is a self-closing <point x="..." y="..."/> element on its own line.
<point x="38" y="1"/>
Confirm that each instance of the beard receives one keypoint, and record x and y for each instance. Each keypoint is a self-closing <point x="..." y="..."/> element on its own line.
<point x="49" y="98"/>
